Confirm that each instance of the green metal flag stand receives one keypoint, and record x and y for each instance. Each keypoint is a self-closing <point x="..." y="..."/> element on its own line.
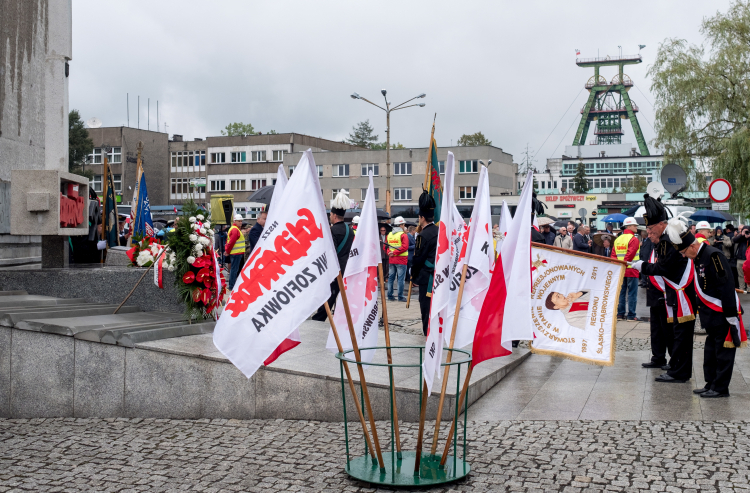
<point x="401" y="471"/>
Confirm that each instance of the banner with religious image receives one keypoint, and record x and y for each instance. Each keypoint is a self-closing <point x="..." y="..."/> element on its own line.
<point x="574" y="300"/>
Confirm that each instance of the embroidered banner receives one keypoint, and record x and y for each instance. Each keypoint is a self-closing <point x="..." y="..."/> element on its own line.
<point x="574" y="304"/>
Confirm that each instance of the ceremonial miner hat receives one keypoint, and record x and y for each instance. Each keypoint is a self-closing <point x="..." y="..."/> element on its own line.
<point x="340" y="203"/>
<point x="679" y="234"/>
<point x="655" y="210"/>
<point x="536" y="206"/>
<point x="426" y="205"/>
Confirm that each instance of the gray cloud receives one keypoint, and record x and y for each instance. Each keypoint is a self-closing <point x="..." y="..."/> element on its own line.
<point x="505" y="68"/>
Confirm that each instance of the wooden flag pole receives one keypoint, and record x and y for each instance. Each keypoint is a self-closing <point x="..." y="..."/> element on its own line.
<point x="448" y="359"/>
<point x="139" y="280"/>
<point x="422" y="412"/>
<point x="390" y="360"/>
<point x="370" y="449"/>
<point x="453" y="424"/>
<point x="408" y="295"/>
<point x="361" y="370"/>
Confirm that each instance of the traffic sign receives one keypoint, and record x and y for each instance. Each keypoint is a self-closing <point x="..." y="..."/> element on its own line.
<point x="720" y="190"/>
<point x="582" y="212"/>
<point x="720" y="206"/>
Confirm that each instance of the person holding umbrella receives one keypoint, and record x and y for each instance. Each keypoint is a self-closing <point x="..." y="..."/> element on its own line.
<point x="627" y="248"/>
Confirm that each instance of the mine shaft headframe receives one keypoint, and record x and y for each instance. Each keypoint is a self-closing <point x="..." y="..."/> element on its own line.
<point x="599" y="89"/>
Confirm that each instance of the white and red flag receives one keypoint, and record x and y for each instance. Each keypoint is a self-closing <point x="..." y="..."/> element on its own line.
<point x="480" y="259"/>
<point x="444" y="262"/>
<point x="286" y="278"/>
<point x="361" y="284"/>
<point x="510" y="287"/>
<point x="459" y="238"/>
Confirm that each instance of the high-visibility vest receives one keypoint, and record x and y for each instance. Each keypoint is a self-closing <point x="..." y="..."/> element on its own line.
<point x="621" y="247"/>
<point x="700" y="239"/>
<point x="239" y="246"/>
<point x="394" y="240"/>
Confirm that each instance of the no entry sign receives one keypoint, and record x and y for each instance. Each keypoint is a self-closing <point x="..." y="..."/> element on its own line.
<point x="720" y="190"/>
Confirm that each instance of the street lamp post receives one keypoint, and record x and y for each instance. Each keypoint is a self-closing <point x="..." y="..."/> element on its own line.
<point x="388" y="110"/>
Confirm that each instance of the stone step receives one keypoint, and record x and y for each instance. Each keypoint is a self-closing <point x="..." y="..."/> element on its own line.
<point x="130" y="339"/>
<point x="36" y="300"/>
<point x="73" y="325"/>
<point x="97" y="335"/>
<point x="12" y="293"/>
<point x="10" y="317"/>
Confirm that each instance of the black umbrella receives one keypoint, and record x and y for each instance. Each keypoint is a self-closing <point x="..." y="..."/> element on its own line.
<point x="263" y="195"/>
<point x="388" y="227"/>
<point x="560" y="224"/>
<point x="349" y="215"/>
<point x="631" y="211"/>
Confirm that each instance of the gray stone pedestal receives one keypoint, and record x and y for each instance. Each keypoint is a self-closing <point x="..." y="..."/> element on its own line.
<point x="55" y="252"/>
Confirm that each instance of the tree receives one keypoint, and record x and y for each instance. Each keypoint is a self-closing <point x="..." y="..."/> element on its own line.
<point x="701" y="102"/>
<point x="271" y="132"/>
<point x="637" y="184"/>
<point x="238" y="129"/>
<point x="362" y="135"/>
<point x="580" y="183"/>
<point x="477" y="139"/>
<point x="80" y="144"/>
<point x="381" y="146"/>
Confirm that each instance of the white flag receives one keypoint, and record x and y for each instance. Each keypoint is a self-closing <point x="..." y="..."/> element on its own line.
<point x="480" y="258"/>
<point x="361" y="284"/>
<point x="516" y="258"/>
<point x="286" y="278"/>
<point x="440" y="305"/>
<point x="459" y="239"/>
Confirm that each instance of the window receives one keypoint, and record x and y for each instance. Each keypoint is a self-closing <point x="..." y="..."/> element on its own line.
<point x="278" y="155"/>
<point x="181" y="185"/>
<point x="96" y="183"/>
<point x="366" y="168"/>
<point x="336" y="191"/>
<point x="96" y="156"/>
<point x="441" y="166"/>
<point x="252" y="212"/>
<point x="402" y="193"/>
<point x="115" y="155"/>
<point x="554" y="184"/>
<point x="468" y="166"/>
<point x="467" y="192"/>
<point x="239" y="157"/>
<point x="374" y="191"/>
<point x="218" y="185"/>
<point x="256" y="184"/>
<point x="258" y="156"/>
<point x="320" y="170"/>
<point x="402" y="168"/>
<point x="200" y="158"/>
<point x="291" y="170"/>
<point x="609" y="182"/>
<point x="118" y="182"/>
<point x="596" y="182"/>
<point x="237" y="184"/>
<point x="340" y="170"/>
<point x="616" y="183"/>
<point x="564" y="184"/>
<point x="218" y="157"/>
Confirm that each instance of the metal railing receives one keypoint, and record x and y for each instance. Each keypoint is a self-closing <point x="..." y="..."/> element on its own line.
<point x="623" y="58"/>
<point x="621" y="109"/>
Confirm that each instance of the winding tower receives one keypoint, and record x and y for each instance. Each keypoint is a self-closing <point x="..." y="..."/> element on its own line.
<point x="608" y="103"/>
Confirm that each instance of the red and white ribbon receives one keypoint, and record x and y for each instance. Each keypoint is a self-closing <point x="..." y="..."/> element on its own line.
<point x="159" y="269"/>
<point x="715" y="305"/>
<point x="684" y="307"/>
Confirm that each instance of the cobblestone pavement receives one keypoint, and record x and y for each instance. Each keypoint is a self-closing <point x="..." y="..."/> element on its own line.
<point x="273" y="456"/>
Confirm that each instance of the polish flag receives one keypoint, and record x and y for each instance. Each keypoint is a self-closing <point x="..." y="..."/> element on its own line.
<point x="361" y="284"/>
<point x="535" y="223"/>
<point x="175" y="208"/>
<point x="510" y="286"/>
<point x="459" y="240"/>
<point x="578" y="52"/>
<point x="480" y="258"/>
<point x="440" y="307"/>
<point x="294" y="338"/>
<point x="286" y="278"/>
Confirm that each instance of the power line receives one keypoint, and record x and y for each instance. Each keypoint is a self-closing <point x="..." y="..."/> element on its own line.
<point x="558" y="122"/>
<point x="564" y="135"/>
<point x="644" y="96"/>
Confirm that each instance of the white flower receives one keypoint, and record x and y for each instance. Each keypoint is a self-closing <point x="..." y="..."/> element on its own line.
<point x="172" y="258"/>
<point x="192" y="219"/>
<point x="193" y="238"/>
<point x="203" y="231"/>
<point x="210" y="232"/>
<point x="207" y="224"/>
<point x="204" y="241"/>
<point x="199" y="247"/>
<point x="196" y="227"/>
<point x="154" y="249"/>
<point x="144" y="257"/>
<point x="191" y="260"/>
<point x="171" y="268"/>
<point x="199" y="254"/>
<point x="200" y="217"/>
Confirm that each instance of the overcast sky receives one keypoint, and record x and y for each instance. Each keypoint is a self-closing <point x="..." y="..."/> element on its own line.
<point x="506" y="68"/>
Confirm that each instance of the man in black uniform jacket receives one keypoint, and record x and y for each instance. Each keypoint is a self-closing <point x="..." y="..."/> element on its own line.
<point x="719" y="316"/>
<point x="423" y="263"/>
<point x="671" y="237"/>
<point x="538" y="209"/>
<point x="343" y="237"/>
<point x="662" y="332"/>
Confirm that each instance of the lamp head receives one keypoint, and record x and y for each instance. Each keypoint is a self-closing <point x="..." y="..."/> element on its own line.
<point x="489" y="162"/>
<point x="640" y="47"/>
<point x="422" y="95"/>
<point x="421" y="105"/>
<point x="383" y="92"/>
<point x="355" y="95"/>
<point x="481" y="162"/>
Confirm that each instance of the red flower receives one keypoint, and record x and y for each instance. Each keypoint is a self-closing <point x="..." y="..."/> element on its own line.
<point x="197" y="295"/>
<point x="206" y="296"/>
<point x="188" y="277"/>
<point x="132" y="253"/>
<point x="201" y="262"/>
<point x="201" y="276"/>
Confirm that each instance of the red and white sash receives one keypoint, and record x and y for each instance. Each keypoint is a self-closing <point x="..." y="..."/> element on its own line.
<point x="684" y="307"/>
<point x="715" y="305"/>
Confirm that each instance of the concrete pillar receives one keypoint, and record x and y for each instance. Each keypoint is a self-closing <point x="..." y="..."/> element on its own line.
<point x="55" y="252"/>
<point x="59" y="53"/>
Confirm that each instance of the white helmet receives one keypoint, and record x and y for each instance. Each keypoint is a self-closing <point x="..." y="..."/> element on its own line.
<point x="238" y="217"/>
<point x="399" y="221"/>
<point x="630" y="221"/>
<point x="355" y="220"/>
<point x="703" y="225"/>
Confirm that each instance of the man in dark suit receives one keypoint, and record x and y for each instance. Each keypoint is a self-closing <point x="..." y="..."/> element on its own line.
<point x="581" y="241"/>
<point x="718" y="308"/>
<point x="425" y="250"/>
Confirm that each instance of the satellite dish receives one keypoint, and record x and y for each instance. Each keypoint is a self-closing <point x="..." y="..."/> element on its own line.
<point x="94" y="122"/>
<point x="673" y="178"/>
<point x="655" y="189"/>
